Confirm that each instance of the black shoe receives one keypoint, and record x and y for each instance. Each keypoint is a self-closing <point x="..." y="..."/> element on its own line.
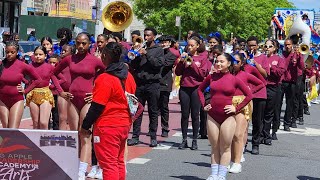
<point x="286" y="128"/>
<point x="165" y="134"/>
<point x="293" y="124"/>
<point x="202" y="137"/>
<point x="133" y="141"/>
<point x="184" y="144"/>
<point x="255" y="150"/>
<point x="274" y="136"/>
<point x="307" y="112"/>
<point x="148" y="134"/>
<point x="194" y="145"/>
<point x="153" y="143"/>
<point x="268" y="142"/>
<point x="301" y="121"/>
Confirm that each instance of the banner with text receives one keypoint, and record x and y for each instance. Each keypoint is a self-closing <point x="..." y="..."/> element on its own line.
<point x="38" y="154"/>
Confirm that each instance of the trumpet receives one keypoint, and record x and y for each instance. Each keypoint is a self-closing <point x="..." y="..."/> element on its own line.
<point x="188" y="59"/>
<point x="134" y="52"/>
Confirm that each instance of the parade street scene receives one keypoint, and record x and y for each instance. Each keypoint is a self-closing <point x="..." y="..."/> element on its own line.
<point x="159" y="90"/>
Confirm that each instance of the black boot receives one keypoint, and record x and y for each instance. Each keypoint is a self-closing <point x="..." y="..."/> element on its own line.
<point x="255" y="150"/>
<point x="306" y="111"/>
<point x="153" y="143"/>
<point x="165" y="133"/>
<point x="274" y="136"/>
<point x="286" y="128"/>
<point x="184" y="144"/>
<point x="301" y="121"/>
<point x="293" y="123"/>
<point x="194" y="145"/>
<point x="133" y="141"/>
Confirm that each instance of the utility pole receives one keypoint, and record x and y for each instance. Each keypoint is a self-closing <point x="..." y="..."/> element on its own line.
<point x="178" y="23"/>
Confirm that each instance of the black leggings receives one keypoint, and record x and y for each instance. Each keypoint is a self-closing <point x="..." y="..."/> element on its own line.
<point x="189" y="101"/>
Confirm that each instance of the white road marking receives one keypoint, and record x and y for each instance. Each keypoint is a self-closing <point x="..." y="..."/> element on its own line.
<point x="163" y="146"/>
<point x="139" y="161"/>
<point x="304" y="132"/>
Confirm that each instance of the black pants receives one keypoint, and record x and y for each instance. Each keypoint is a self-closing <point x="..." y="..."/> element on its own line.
<point x="257" y="120"/>
<point x="55" y="114"/>
<point x="204" y="116"/>
<point x="269" y="111"/>
<point x="277" y="110"/>
<point x="148" y="93"/>
<point x="189" y="101"/>
<point x="164" y="110"/>
<point x="298" y="98"/>
<point x="288" y="90"/>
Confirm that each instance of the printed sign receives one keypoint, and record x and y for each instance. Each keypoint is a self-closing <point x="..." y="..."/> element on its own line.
<point x="38" y="154"/>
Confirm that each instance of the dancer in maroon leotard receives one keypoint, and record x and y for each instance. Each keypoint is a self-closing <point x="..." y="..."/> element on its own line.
<point x="221" y="120"/>
<point x="84" y="67"/>
<point x="11" y="91"/>
<point x="240" y="136"/>
<point x="40" y="100"/>
<point x="62" y="102"/>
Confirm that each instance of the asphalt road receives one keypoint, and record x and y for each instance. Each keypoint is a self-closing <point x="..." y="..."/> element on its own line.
<point x="296" y="155"/>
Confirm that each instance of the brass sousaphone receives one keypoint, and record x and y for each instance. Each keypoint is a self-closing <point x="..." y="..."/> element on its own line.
<point x="117" y="16"/>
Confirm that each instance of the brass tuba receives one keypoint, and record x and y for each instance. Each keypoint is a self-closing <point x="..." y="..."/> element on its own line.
<point x="117" y="16"/>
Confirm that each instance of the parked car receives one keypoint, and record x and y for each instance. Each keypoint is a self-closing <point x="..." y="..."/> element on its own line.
<point x="29" y="46"/>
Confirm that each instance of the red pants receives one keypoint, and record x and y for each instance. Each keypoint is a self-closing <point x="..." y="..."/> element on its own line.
<point x="109" y="146"/>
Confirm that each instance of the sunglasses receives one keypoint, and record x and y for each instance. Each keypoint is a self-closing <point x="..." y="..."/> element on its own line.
<point x="268" y="46"/>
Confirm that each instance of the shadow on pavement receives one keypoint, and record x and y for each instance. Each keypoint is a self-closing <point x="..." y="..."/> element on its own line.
<point x="202" y="164"/>
<point x="307" y="178"/>
<point x="187" y="177"/>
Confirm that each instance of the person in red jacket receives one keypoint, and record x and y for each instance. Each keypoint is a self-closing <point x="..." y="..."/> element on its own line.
<point x="109" y="112"/>
<point x="221" y="123"/>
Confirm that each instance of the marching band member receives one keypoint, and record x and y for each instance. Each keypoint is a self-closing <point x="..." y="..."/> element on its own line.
<point x="277" y="68"/>
<point x="102" y="41"/>
<point x="261" y="64"/>
<point x="147" y="72"/>
<point x="221" y="120"/>
<point x="192" y="72"/>
<point x="292" y="82"/>
<point x="166" y="82"/>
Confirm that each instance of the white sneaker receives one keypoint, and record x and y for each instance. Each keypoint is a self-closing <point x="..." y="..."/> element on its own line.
<point x="221" y="178"/>
<point x="229" y="166"/>
<point x="309" y="104"/>
<point x="93" y="172"/>
<point x="315" y="102"/>
<point x="242" y="159"/>
<point x="99" y="174"/>
<point x="235" y="168"/>
<point x="81" y="176"/>
<point x="213" y="177"/>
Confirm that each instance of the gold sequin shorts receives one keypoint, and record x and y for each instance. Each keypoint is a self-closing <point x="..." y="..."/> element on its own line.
<point x="247" y="110"/>
<point x="39" y="96"/>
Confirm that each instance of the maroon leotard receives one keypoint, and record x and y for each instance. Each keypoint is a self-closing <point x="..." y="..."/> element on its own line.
<point x="67" y="76"/>
<point x="222" y="89"/>
<point x="12" y="75"/>
<point x="251" y="81"/>
<point x="45" y="71"/>
<point x="83" y="70"/>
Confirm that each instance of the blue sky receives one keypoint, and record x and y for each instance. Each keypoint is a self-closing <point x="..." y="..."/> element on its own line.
<point x="307" y="4"/>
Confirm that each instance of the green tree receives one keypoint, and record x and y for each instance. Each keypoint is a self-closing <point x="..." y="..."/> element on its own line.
<point x="242" y="17"/>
